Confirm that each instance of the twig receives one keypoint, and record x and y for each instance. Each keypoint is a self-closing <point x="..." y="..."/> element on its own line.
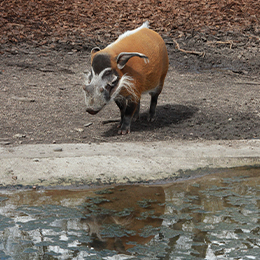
<point x="221" y="42"/>
<point x="110" y="121"/>
<point x="188" y="52"/>
<point x="88" y="124"/>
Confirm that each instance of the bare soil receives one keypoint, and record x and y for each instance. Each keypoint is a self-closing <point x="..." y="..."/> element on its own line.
<point x="211" y="94"/>
<point x="212" y="97"/>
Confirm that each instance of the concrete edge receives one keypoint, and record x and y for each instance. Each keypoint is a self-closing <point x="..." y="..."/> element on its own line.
<point x="107" y="163"/>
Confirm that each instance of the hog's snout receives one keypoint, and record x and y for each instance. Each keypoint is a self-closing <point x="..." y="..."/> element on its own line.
<point x="91" y="111"/>
<point x="97" y="90"/>
<point x="88" y="89"/>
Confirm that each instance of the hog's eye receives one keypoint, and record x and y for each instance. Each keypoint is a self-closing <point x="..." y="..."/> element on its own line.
<point x="107" y="73"/>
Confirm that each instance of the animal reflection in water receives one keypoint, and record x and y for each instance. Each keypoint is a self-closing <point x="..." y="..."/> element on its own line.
<point x="117" y="218"/>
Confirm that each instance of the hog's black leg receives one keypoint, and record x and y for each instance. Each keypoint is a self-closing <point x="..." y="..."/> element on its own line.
<point x="129" y="112"/>
<point x="121" y="103"/>
<point x="154" y="98"/>
<point x="136" y="114"/>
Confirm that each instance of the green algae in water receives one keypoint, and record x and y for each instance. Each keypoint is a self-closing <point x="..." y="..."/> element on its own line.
<point x="96" y="200"/>
<point x="146" y="203"/>
<point x="106" y="191"/>
<point x="115" y="230"/>
<point x="125" y="212"/>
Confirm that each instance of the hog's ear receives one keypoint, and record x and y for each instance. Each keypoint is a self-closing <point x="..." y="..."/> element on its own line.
<point x="94" y="50"/>
<point x="124" y="57"/>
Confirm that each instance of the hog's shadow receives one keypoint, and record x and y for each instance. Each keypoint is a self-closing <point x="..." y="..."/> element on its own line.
<point x="166" y="115"/>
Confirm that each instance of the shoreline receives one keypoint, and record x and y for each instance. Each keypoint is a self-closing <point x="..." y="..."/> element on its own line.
<point x="119" y="163"/>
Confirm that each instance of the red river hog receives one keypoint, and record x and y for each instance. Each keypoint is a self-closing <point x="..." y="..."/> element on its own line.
<point x="136" y="63"/>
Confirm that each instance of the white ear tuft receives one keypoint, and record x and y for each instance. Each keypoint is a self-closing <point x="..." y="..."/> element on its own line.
<point x="146" y="60"/>
<point x="124" y="57"/>
<point x="94" y="50"/>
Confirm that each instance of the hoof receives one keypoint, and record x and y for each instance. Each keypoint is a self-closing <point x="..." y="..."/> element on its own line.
<point x="124" y="132"/>
<point x="150" y="119"/>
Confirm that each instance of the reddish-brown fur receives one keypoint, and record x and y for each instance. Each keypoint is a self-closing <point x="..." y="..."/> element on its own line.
<point x="147" y="76"/>
<point x="134" y="64"/>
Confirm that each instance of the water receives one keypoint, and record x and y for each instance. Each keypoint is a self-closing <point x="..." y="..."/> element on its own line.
<point x="211" y="217"/>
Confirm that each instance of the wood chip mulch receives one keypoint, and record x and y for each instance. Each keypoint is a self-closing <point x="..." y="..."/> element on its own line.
<point x="45" y="21"/>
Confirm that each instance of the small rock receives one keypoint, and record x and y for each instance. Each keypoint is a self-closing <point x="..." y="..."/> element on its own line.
<point x="23" y="99"/>
<point x="80" y="130"/>
<point x="19" y="136"/>
<point x="88" y="124"/>
<point x="58" y="149"/>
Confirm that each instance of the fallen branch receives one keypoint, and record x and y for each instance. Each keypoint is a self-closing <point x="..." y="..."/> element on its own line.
<point x="110" y="121"/>
<point x="221" y="42"/>
<point x="88" y="124"/>
<point x="202" y="54"/>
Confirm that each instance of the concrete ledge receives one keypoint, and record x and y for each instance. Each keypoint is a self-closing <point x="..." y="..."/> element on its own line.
<point x="70" y="164"/>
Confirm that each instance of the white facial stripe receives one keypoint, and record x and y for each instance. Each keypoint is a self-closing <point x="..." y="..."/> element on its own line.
<point x="101" y="73"/>
<point x="98" y="80"/>
<point x="104" y="71"/>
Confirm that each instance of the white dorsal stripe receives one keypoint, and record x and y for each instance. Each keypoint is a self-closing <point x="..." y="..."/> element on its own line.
<point x="128" y="33"/>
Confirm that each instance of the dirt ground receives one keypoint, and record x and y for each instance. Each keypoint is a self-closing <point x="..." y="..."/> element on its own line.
<point x="210" y="95"/>
<point x="215" y="96"/>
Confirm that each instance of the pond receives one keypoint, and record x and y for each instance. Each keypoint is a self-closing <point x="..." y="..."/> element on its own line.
<point x="216" y="216"/>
